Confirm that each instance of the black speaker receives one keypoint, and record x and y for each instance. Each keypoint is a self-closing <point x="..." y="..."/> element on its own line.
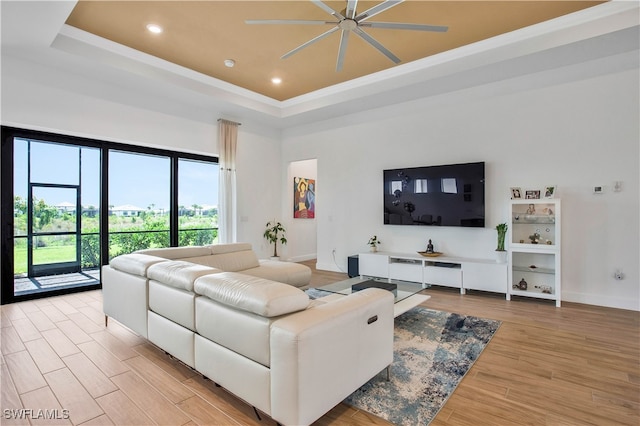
<point x="352" y="264"/>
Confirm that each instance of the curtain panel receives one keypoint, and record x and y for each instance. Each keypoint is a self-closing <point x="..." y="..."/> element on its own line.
<point x="228" y="140"/>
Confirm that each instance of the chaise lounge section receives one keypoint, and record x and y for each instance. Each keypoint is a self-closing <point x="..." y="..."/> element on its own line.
<point x="263" y="340"/>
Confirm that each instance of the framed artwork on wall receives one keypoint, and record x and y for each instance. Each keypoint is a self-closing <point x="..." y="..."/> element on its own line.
<point x="532" y="194"/>
<point x="516" y="193"/>
<point x="550" y="191"/>
<point x="304" y="198"/>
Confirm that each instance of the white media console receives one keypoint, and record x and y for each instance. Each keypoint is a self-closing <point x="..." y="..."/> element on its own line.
<point x="458" y="272"/>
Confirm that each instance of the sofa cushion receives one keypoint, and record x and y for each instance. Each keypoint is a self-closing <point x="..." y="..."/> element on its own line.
<point x="229" y="248"/>
<point x="230" y="262"/>
<point x="179" y="273"/>
<point x="177" y="252"/>
<point x="135" y="263"/>
<point x="252" y="294"/>
<point x="294" y="274"/>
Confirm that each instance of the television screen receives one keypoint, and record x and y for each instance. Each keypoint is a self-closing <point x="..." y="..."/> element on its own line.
<point x="446" y="195"/>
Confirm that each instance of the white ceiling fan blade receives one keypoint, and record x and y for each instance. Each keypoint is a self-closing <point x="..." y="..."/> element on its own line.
<point x="366" y="37"/>
<point x="287" y="21"/>
<point x="402" y="26"/>
<point x="313" y="40"/>
<point x="351" y="8"/>
<point x="377" y="9"/>
<point x="344" y="40"/>
<point x="327" y="9"/>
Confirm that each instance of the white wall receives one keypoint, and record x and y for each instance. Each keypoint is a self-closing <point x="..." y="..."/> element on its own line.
<point x="574" y="135"/>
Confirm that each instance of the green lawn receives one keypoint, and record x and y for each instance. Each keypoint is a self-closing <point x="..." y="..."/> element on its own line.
<point x="42" y="255"/>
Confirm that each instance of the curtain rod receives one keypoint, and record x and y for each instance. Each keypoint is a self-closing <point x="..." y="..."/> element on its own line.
<point x="229" y="121"/>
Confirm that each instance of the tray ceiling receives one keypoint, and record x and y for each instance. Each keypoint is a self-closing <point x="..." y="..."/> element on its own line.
<point x="201" y="35"/>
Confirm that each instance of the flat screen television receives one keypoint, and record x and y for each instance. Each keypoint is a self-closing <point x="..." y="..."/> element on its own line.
<point x="445" y="195"/>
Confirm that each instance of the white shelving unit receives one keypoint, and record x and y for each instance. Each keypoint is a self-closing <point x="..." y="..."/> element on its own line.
<point x="534" y="249"/>
<point x="449" y="271"/>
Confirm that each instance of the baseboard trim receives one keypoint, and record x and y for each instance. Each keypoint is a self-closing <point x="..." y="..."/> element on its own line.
<point x="302" y="258"/>
<point x="599" y="300"/>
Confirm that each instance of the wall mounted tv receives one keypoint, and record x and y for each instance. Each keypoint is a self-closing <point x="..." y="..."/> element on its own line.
<point x="446" y="195"/>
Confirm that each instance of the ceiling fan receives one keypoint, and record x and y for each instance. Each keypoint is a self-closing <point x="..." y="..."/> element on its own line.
<point x="349" y="21"/>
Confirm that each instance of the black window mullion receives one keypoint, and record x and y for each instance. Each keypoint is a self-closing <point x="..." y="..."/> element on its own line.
<point x="104" y="206"/>
<point x="173" y="209"/>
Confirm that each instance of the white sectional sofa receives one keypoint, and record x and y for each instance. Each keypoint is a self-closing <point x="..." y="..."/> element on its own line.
<point x="263" y="340"/>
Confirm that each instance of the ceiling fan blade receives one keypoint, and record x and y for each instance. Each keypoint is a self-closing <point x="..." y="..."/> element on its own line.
<point x="313" y="40"/>
<point x="327" y="9"/>
<point x="344" y="40"/>
<point x="402" y="26"/>
<point x="287" y="21"/>
<point x="351" y="8"/>
<point x="387" y="4"/>
<point x="366" y="37"/>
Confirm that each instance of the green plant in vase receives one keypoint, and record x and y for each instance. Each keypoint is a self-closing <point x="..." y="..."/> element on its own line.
<point x="373" y="243"/>
<point x="502" y="233"/>
<point x="275" y="232"/>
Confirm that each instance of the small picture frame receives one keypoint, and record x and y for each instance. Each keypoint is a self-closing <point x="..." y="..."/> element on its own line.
<point x="549" y="191"/>
<point x="516" y="193"/>
<point x="532" y="194"/>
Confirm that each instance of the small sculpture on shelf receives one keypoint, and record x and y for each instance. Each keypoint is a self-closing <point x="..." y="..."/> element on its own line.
<point x="531" y="209"/>
<point x="429" y="247"/>
<point x="522" y="285"/>
<point x="535" y="238"/>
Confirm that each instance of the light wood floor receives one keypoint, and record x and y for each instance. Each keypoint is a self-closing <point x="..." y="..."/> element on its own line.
<point x="575" y="365"/>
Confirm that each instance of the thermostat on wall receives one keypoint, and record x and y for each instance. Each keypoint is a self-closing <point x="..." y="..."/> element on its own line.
<point x="598" y="189"/>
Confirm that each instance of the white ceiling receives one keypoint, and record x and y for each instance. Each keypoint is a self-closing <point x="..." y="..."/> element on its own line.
<point x="606" y="35"/>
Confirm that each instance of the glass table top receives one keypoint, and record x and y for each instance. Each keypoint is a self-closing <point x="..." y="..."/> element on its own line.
<point x="404" y="289"/>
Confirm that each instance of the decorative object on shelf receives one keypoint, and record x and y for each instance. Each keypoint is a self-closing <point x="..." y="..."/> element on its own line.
<point x="429" y="247"/>
<point x="535" y="238"/>
<point x="531" y="209"/>
<point x="432" y="254"/>
<point x="304" y="198"/>
<point x="544" y="288"/>
<point x="522" y="285"/>
<point x="532" y="194"/>
<point x="272" y="234"/>
<point x="516" y="193"/>
<point x="550" y="191"/>
<point x="373" y="243"/>
<point x="500" y="251"/>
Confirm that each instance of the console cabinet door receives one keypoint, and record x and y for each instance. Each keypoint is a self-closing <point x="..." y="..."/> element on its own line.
<point x="374" y="265"/>
<point x="485" y="276"/>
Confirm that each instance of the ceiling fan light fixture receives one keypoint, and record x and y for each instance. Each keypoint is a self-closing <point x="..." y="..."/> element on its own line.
<point x="154" y="28"/>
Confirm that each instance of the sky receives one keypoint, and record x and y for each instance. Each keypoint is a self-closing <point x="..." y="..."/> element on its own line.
<point x="136" y="179"/>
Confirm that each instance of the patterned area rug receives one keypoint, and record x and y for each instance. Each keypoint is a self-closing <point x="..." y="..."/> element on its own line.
<point x="433" y="350"/>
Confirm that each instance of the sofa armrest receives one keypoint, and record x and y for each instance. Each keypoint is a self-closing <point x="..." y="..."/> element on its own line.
<point x="321" y="355"/>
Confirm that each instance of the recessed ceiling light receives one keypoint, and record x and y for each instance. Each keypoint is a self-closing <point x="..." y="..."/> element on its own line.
<point x="276" y="80"/>
<point x="154" y="28"/>
<point x="229" y="63"/>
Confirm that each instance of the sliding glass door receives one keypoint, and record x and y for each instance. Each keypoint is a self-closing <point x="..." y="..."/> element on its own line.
<point x="51" y="184"/>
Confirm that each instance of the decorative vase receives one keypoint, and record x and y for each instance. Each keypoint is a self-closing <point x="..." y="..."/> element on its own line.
<point x="374" y="249"/>
<point x="501" y="256"/>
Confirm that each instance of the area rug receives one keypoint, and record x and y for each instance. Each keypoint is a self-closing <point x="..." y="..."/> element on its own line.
<point x="433" y="350"/>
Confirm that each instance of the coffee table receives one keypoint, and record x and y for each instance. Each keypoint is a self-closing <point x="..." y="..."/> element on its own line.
<point x="407" y="295"/>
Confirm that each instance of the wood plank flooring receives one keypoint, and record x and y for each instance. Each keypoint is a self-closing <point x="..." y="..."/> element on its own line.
<point x="575" y="365"/>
